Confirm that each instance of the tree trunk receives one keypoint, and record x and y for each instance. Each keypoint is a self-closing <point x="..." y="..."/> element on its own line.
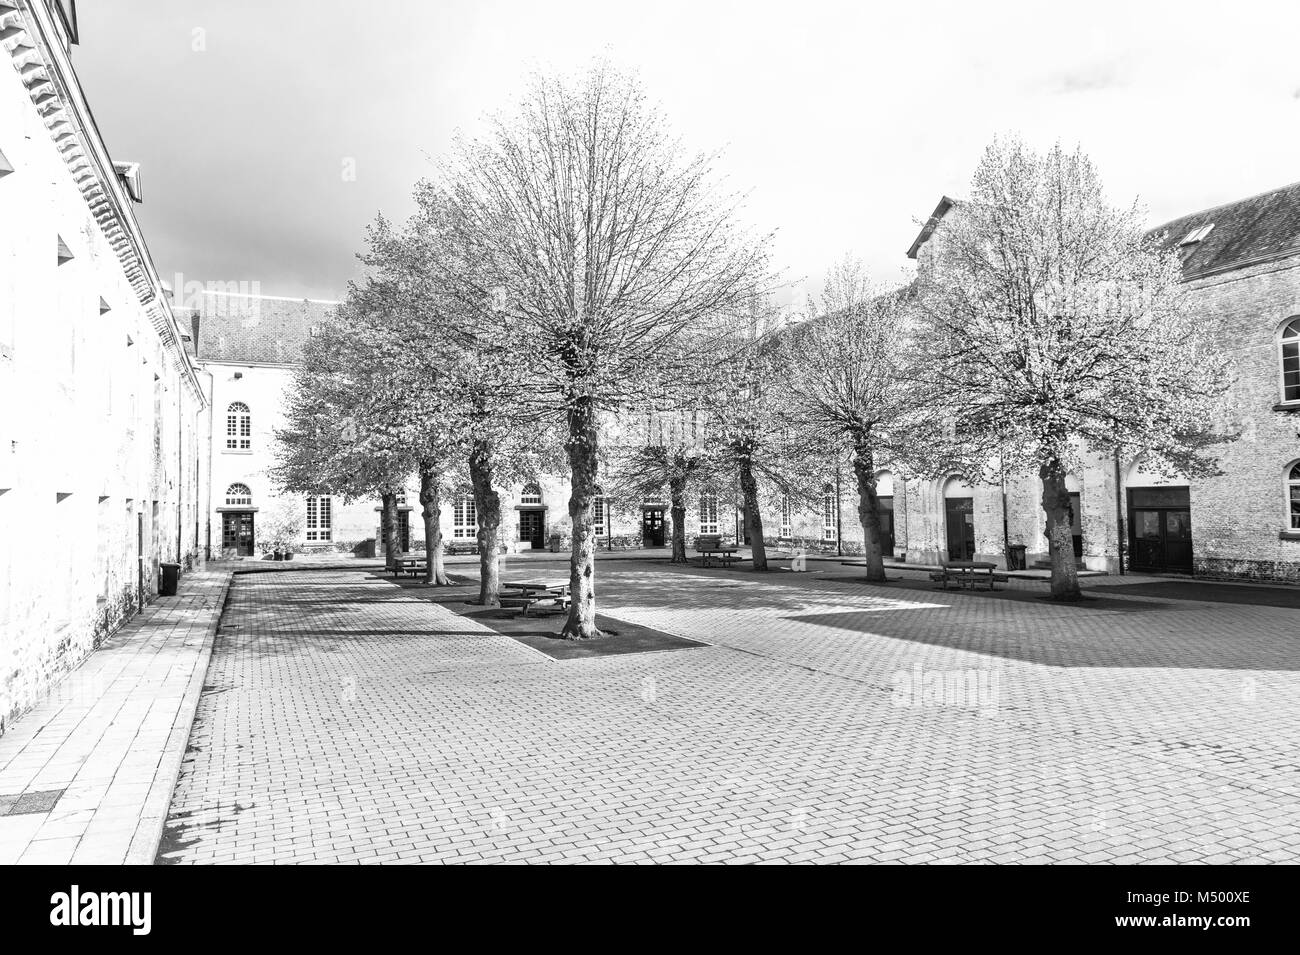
<point x="1060" y="537"/>
<point x="864" y="469"/>
<point x="753" y="519"/>
<point x="392" y="542"/>
<point x="431" y="500"/>
<point x="582" y="450"/>
<point x="487" y="502"/>
<point x="677" y="495"/>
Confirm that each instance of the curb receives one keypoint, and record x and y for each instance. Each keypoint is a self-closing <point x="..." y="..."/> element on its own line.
<point x="153" y="814"/>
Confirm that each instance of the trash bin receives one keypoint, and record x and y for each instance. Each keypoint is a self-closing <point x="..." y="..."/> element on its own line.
<point x="1015" y="557"/>
<point x="171" y="573"/>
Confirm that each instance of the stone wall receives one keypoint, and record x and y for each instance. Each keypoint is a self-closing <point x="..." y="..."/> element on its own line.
<point x="99" y="449"/>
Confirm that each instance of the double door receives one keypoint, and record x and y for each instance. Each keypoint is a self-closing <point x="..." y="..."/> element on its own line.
<point x="237" y="533"/>
<point x="652" y="527"/>
<point x="1160" y="529"/>
<point x="532" y="528"/>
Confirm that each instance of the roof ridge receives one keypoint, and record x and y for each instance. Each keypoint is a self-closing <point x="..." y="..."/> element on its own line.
<point x="1225" y="205"/>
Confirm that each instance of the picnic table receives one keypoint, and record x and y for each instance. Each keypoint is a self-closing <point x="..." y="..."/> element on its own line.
<point x="723" y="552"/>
<point x="969" y="573"/>
<point x="710" y="546"/>
<point x="407" y="564"/>
<point x="529" y="593"/>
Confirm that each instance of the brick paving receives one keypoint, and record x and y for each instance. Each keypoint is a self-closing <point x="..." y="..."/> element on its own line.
<point x="347" y="719"/>
<point x="99" y="757"/>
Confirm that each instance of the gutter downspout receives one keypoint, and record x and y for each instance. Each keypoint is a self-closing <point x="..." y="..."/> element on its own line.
<point x="1119" y="516"/>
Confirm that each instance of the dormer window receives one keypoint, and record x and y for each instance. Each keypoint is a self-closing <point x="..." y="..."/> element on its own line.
<point x="1197" y="235"/>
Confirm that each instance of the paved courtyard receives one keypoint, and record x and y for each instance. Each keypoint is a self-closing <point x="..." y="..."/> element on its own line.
<point x="346" y="718"/>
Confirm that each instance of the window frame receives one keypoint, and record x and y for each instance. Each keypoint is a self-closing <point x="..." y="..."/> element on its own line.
<point x="830" y="513"/>
<point x="530" y="495"/>
<point x="239" y="494"/>
<point x="709" y="506"/>
<point x="1291" y="497"/>
<point x="320" y="518"/>
<point x="239" y="428"/>
<point x="464" y="516"/>
<point x="786" y="526"/>
<point x="1288" y="333"/>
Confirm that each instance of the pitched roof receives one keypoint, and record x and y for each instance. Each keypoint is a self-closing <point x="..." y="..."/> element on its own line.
<point x="255" y="328"/>
<point x="1251" y="230"/>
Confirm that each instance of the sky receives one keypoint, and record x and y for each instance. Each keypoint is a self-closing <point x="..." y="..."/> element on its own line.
<point x="270" y="133"/>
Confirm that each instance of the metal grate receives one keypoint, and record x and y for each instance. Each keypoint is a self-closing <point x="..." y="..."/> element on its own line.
<point x="30" y="802"/>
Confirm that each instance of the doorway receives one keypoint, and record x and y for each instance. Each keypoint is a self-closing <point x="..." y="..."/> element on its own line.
<point x="959" y="515"/>
<point x="1160" y="529"/>
<point x="237" y="533"/>
<point x="652" y="527"/>
<point x="886" y="526"/>
<point x="1076" y="523"/>
<point x="532" y="528"/>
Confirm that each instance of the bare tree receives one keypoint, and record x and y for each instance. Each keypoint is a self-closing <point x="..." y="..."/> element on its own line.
<point x="852" y="390"/>
<point x="602" y="242"/>
<point x="1050" y="321"/>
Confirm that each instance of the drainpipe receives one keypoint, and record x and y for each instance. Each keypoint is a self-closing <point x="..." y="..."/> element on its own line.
<point x="207" y="510"/>
<point x="1119" y="516"/>
<point x="839" y="528"/>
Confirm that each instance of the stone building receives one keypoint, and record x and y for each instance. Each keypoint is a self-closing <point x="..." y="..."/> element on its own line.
<point x="100" y="406"/>
<point x="1241" y="266"/>
<point x="248" y="349"/>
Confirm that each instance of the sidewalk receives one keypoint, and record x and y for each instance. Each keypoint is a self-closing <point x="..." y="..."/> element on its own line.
<point x="87" y="776"/>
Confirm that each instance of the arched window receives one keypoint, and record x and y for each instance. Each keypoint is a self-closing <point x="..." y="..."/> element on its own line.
<point x="1293" y="495"/>
<point x="239" y="427"/>
<point x="830" y="512"/>
<point x="464" y="519"/>
<point x="530" y="495"/>
<point x="708" y="513"/>
<point x="238" y="495"/>
<point x="1291" y="361"/>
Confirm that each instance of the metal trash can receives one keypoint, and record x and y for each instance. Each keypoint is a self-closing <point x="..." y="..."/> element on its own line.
<point x="1015" y="557"/>
<point x="171" y="573"/>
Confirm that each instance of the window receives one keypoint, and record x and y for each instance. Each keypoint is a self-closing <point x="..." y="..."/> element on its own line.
<point x="601" y="510"/>
<point x="320" y="521"/>
<point x="708" y="513"/>
<point x="785" y="529"/>
<point x="1197" y="235"/>
<point x="530" y="495"/>
<point x="830" y="511"/>
<point x="238" y="495"/>
<point x="239" y="427"/>
<point x="464" y="521"/>
<point x="1293" y="495"/>
<point x="1291" y="360"/>
<point x="401" y="498"/>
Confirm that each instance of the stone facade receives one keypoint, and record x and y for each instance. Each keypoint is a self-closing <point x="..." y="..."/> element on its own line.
<point x="100" y="408"/>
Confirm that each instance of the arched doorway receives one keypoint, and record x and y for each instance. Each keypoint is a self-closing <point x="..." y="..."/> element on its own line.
<point x="1159" y="521"/>
<point x="959" y="518"/>
<point x="532" y="516"/>
<point x="237" y="533"/>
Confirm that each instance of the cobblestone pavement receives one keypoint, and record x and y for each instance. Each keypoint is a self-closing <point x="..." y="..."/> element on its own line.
<point x="347" y="719"/>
